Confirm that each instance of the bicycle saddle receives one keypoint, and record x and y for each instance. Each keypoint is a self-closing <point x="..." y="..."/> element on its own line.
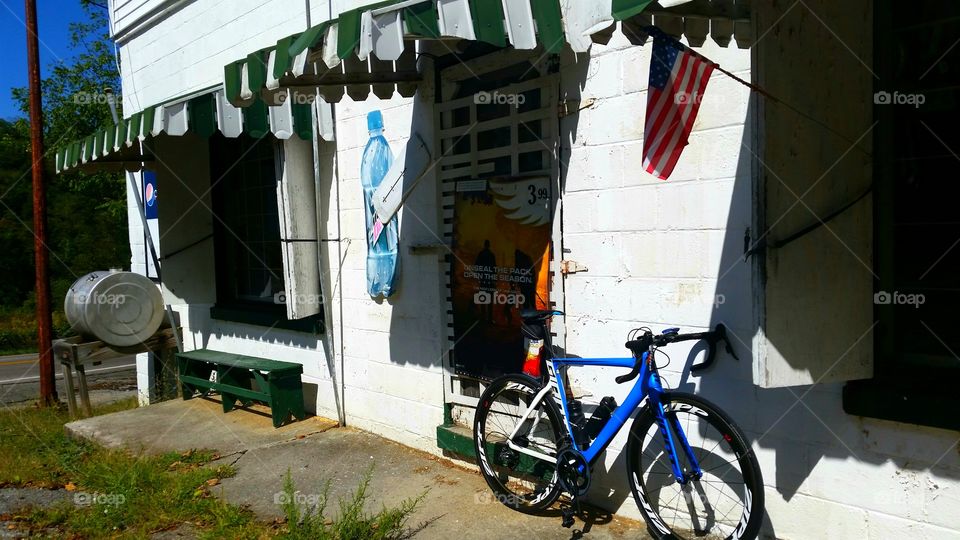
<point x="537" y="315"/>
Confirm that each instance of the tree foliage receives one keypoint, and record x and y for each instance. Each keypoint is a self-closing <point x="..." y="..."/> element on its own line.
<point x="87" y="218"/>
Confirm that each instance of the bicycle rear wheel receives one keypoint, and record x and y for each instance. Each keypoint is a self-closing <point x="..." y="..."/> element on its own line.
<point x="520" y="481"/>
<point x="725" y="503"/>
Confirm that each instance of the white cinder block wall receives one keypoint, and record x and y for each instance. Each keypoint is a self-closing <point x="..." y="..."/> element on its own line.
<point x="658" y="253"/>
<point x="185" y="51"/>
<point x="663" y="254"/>
<point x="392" y="351"/>
<point x="653" y="248"/>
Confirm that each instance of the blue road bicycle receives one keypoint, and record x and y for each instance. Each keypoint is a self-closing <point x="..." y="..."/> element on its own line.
<point x="690" y="468"/>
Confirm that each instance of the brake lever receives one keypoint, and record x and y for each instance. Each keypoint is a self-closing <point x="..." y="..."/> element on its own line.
<point x="629" y="376"/>
<point x="638" y="347"/>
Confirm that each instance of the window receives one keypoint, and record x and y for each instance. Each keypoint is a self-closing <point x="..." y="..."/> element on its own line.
<point x="247" y="233"/>
<point x="249" y="255"/>
<point x="917" y="229"/>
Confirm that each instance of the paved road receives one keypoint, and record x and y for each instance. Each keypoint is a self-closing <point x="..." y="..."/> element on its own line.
<point x="20" y="376"/>
<point x="24" y="367"/>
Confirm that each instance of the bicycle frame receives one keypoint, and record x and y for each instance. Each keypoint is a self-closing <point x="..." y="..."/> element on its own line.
<point x="647" y="385"/>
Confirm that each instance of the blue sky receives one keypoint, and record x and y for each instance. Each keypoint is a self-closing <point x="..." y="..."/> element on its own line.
<point x="53" y="20"/>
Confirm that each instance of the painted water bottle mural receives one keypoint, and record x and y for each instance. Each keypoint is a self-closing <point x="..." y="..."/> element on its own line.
<point x="381" y="239"/>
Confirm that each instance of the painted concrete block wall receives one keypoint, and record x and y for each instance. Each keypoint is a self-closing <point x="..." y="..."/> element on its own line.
<point x="663" y="254"/>
<point x="392" y="350"/>
<point x="186" y="50"/>
<point x="659" y="253"/>
<point x="653" y="248"/>
<point x="138" y="265"/>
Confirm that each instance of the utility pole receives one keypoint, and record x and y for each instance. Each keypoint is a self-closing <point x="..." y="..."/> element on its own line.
<point x="48" y="389"/>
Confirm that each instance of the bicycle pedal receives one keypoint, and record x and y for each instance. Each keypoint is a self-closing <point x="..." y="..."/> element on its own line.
<point x="567" y="521"/>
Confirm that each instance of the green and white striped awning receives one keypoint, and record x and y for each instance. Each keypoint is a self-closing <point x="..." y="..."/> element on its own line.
<point x="115" y="147"/>
<point x="373" y="48"/>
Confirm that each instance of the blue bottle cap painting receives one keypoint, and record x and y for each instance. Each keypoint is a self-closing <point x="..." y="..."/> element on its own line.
<point x="374" y="120"/>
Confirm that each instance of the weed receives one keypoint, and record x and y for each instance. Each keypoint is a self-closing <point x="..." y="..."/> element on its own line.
<point x="352" y="522"/>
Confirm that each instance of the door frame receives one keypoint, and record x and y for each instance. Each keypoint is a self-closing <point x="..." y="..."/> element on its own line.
<point x="461" y="392"/>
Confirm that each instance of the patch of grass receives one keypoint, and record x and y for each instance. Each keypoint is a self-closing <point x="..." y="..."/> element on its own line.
<point x="36" y="451"/>
<point x="18" y="329"/>
<point x="119" y="494"/>
<point x="352" y="522"/>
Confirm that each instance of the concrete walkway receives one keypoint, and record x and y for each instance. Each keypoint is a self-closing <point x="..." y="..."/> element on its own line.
<point x="458" y="503"/>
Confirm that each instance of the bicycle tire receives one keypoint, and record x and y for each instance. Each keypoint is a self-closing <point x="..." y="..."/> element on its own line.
<point x="748" y="525"/>
<point x="489" y="447"/>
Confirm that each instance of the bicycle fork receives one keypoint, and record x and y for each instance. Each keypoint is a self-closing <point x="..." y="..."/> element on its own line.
<point x="672" y="432"/>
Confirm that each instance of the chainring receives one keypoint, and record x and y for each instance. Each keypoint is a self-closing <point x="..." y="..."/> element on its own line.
<point x="573" y="471"/>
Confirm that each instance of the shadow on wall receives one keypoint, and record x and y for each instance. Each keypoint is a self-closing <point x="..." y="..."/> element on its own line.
<point x="795" y="428"/>
<point x="415" y="312"/>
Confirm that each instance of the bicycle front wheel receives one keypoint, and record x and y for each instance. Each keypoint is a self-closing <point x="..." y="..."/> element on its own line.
<point x="517" y="447"/>
<point x="726" y="502"/>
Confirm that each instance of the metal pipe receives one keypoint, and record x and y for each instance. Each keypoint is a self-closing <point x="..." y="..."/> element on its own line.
<point x="48" y="389"/>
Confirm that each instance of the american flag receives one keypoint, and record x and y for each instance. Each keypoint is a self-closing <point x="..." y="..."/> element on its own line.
<point x="678" y="78"/>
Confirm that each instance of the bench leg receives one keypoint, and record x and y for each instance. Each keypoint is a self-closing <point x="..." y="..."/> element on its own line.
<point x="200" y="370"/>
<point x="238" y="378"/>
<point x="182" y="369"/>
<point x="286" y="399"/>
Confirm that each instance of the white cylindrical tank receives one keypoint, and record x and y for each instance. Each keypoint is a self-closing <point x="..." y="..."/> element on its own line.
<point x="119" y="308"/>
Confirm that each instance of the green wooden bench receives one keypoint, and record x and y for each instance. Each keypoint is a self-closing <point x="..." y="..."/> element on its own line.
<point x="245" y="379"/>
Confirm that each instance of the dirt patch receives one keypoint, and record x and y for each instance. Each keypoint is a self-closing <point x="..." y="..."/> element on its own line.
<point x="441" y="479"/>
<point x="15" y="500"/>
<point x="184" y="530"/>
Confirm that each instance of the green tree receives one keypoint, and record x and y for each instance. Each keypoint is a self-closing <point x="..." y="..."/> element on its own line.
<point x="87" y="215"/>
<point x="16" y="261"/>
